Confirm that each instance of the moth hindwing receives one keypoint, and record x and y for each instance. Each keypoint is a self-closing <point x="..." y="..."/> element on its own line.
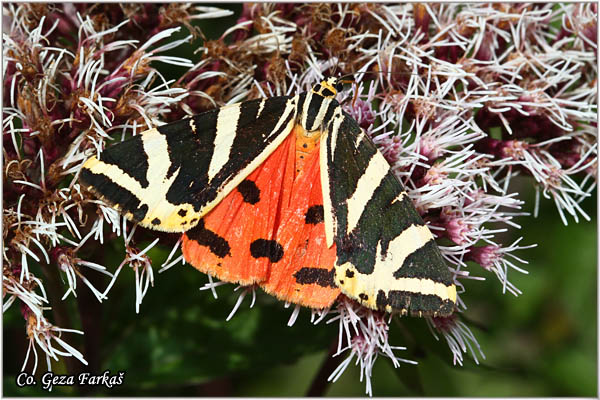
<point x="288" y="193"/>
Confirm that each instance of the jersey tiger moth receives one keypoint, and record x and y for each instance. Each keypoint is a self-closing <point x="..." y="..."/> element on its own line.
<point x="287" y="193"/>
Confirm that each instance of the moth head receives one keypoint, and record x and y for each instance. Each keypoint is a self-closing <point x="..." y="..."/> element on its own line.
<point x="330" y="87"/>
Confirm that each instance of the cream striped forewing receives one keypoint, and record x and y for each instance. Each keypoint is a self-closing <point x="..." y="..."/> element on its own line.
<point x="167" y="178"/>
<point x="387" y="258"/>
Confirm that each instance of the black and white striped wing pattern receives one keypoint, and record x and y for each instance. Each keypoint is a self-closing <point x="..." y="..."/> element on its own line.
<point x="167" y="178"/>
<point x="386" y="256"/>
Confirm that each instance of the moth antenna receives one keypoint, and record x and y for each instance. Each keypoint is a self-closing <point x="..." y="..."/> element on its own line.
<point x="334" y="69"/>
<point x="355" y="94"/>
<point x="347" y="78"/>
<point x="353" y="82"/>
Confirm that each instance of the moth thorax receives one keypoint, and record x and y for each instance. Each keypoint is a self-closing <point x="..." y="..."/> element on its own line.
<point x="316" y="110"/>
<point x="327" y="88"/>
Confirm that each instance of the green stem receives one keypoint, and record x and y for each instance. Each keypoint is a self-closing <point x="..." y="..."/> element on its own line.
<point x="320" y="383"/>
<point x="60" y="313"/>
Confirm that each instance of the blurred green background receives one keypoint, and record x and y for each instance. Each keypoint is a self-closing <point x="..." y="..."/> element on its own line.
<point x="543" y="343"/>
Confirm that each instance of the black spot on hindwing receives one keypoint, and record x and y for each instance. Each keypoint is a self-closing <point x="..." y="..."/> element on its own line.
<point x="205" y="237"/>
<point x="249" y="191"/>
<point x="314" y="214"/>
<point x="182" y="212"/>
<point x="156" y="221"/>
<point x="266" y="248"/>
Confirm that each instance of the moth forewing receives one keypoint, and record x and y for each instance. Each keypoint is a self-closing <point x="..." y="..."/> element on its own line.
<point x="132" y="177"/>
<point x="329" y="215"/>
<point x="169" y="177"/>
<point x="386" y="255"/>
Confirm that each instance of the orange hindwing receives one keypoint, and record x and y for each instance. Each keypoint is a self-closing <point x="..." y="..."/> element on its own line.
<point x="233" y="242"/>
<point x="270" y="229"/>
<point x="305" y="273"/>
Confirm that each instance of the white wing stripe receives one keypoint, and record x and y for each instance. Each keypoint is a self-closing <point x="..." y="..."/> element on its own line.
<point x="261" y="106"/>
<point x="226" y="128"/>
<point x="290" y="108"/>
<point x="305" y="107"/>
<point x="328" y="215"/>
<point x="365" y="188"/>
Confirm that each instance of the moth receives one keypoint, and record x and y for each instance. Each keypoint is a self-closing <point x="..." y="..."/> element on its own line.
<point x="287" y="193"/>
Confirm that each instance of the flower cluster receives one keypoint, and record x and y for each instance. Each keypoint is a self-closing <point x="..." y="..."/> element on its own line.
<point x="460" y="99"/>
<point x="75" y="78"/>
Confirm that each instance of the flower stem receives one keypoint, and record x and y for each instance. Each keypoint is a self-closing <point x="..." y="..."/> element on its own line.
<point x="90" y="314"/>
<point x="59" y="312"/>
<point x="320" y="383"/>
